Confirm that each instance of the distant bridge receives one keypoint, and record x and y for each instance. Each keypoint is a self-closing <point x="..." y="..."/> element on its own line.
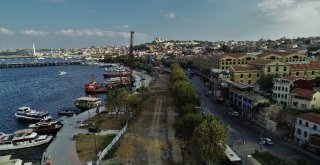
<point x="38" y="64"/>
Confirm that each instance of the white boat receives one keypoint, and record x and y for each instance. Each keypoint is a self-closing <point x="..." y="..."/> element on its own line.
<point x="25" y="113"/>
<point x="22" y="139"/>
<point x="61" y="73"/>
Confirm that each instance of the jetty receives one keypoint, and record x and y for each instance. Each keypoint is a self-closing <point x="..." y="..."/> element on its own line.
<point x="38" y="64"/>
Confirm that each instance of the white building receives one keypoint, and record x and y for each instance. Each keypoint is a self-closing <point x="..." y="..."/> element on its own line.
<point x="304" y="99"/>
<point x="307" y="128"/>
<point x="281" y="90"/>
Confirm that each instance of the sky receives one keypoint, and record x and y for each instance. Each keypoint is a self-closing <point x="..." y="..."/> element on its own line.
<point x="57" y="24"/>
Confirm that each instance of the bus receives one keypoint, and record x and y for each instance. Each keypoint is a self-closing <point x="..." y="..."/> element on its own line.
<point x="231" y="157"/>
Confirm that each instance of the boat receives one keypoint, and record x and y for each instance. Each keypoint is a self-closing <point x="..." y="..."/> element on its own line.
<point x="94" y="88"/>
<point x="61" y="73"/>
<point x="22" y="139"/>
<point x="26" y="114"/>
<point x="85" y="103"/>
<point x="117" y="71"/>
<point x="46" y="127"/>
<point x="68" y="111"/>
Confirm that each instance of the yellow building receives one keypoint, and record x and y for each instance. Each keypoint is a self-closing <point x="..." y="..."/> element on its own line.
<point x="284" y="56"/>
<point x="308" y="70"/>
<point x="224" y="61"/>
<point x="248" y="74"/>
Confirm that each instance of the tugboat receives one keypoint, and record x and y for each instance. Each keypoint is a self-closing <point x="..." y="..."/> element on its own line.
<point x="26" y="114"/>
<point x="94" y="88"/>
<point x="46" y="127"/>
<point x="22" y="139"/>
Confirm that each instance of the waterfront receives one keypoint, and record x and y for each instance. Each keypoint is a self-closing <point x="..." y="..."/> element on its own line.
<point x="42" y="89"/>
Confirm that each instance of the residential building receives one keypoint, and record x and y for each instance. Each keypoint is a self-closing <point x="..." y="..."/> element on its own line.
<point x="283" y="86"/>
<point x="288" y="57"/>
<point x="248" y="74"/>
<point x="304" y="99"/>
<point x="242" y="98"/>
<point x="272" y="67"/>
<point x="307" y="129"/>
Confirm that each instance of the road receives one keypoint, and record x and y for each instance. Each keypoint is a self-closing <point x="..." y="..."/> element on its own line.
<point x="243" y="135"/>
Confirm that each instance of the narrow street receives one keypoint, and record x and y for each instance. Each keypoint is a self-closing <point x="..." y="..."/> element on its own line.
<point x="244" y="136"/>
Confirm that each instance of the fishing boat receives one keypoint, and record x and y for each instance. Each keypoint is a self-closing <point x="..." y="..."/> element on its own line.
<point x="94" y="88"/>
<point x="46" y="127"/>
<point x="22" y="139"/>
<point x="26" y="114"/>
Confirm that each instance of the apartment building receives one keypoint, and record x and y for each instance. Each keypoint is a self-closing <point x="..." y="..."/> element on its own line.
<point x="304" y="98"/>
<point x="307" y="130"/>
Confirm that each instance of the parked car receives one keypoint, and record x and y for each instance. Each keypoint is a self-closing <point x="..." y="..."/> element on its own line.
<point x="266" y="141"/>
<point x="234" y="113"/>
<point x="94" y="130"/>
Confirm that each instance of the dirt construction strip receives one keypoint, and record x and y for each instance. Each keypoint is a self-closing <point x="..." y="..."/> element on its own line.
<point x="146" y="140"/>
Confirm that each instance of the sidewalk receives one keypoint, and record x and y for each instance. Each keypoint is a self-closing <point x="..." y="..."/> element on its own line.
<point x="62" y="149"/>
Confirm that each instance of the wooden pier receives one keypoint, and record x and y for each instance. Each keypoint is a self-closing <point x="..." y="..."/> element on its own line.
<point x="38" y="64"/>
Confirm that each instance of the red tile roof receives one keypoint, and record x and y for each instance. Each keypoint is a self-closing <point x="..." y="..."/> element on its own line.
<point x="245" y="68"/>
<point x="312" y="117"/>
<point x="260" y="62"/>
<point x="276" y="53"/>
<point x="310" y="66"/>
<point x="303" y="92"/>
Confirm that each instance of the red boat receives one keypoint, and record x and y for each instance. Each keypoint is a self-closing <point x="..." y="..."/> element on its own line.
<point x="94" y="88"/>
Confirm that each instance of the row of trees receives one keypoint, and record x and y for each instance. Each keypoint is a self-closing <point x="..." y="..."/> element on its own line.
<point x="204" y="136"/>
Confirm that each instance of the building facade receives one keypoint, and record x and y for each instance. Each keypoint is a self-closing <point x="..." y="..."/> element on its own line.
<point x="307" y="127"/>
<point x="304" y="99"/>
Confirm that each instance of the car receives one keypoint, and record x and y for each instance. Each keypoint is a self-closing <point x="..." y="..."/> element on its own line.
<point x="94" y="130"/>
<point x="90" y="163"/>
<point x="234" y="113"/>
<point x="266" y="141"/>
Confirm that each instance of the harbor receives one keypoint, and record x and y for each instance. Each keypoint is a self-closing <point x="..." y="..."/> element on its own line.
<point x="38" y="64"/>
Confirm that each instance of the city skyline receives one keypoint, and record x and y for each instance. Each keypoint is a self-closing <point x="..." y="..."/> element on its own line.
<point x="71" y="23"/>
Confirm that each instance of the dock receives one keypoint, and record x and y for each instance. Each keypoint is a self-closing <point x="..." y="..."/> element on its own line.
<point x="38" y="64"/>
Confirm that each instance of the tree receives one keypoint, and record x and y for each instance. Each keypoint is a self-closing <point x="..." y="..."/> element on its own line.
<point x="184" y="126"/>
<point x="210" y="139"/>
<point x="266" y="82"/>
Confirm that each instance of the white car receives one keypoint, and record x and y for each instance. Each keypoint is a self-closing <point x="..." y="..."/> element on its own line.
<point x="234" y="113"/>
<point x="266" y="141"/>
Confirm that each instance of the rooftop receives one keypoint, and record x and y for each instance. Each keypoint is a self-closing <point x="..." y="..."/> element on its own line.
<point x="303" y="92"/>
<point x="309" y="66"/>
<point x="313" y="117"/>
<point x="245" y="68"/>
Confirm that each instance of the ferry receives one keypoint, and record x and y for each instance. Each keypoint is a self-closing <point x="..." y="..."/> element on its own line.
<point x="26" y="114"/>
<point x="85" y="103"/>
<point x="22" y="139"/>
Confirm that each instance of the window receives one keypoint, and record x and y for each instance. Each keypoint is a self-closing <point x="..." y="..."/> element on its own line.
<point x="285" y="69"/>
<point x="282" y="88"/>
<point x="298" y="131"/>
<point x="241" y="75"/>
<point x="278" y="95"/>
<point x="295" y="104"/>
<point x="222" y="67"/>
<point x="249" y="75"/>
<point x="307" y="124"/>
<point x="300" y="121"/>
<point x="312" y="72"/>
<point x="257" y="74"/>
<point x="285" y="96"/>
<point x="277" y="69"/>
<point x="315" y="127"/>
<point x="222" y="63"/>
<point x="249" y="81"/>
<point x="297" y="73"/>
<point x="305" y="134"/>
<point x="314" y="98"/>
<point x="303" y="106"/>
<point x="281" y="95"/>
<point x="268" y="69"/>
<point x="286" y="89"/>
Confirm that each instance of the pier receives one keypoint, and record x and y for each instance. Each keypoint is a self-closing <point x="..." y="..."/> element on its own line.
<point x="38" y="64"/>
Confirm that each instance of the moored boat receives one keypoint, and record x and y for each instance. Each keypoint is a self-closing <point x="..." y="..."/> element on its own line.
<point x="118" y="71"/>
<point x="85" y="103"/>
<point x="68" y="111"/>
<point x="26" y="114"/>
<point x="46" y="127"/>
<point x="94" y="88"/>
<point x="22" y="139"/>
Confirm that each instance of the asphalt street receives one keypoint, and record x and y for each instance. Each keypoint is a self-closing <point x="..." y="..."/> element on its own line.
<point x="244" y="135"/>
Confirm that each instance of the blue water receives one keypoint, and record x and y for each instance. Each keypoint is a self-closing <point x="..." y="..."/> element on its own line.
<point x="42" y="89"/>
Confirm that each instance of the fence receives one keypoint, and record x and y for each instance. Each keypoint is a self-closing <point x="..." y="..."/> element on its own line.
<point x="108" y="148"/>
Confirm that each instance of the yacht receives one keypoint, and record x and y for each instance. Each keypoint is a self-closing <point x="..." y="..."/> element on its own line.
<point x="46" y="127"/>
<point x="26" y="114"/>
<point x="22" y="139"/>
<point x="61" y="73"/>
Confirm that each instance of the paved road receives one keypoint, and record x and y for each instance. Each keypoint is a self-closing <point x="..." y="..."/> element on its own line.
<point x="248" y="134"/>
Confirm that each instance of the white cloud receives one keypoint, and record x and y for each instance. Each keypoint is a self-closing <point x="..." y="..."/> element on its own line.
<point x="171" y="15"/>
<point x="291" y="16"/>
<point x="96" y="33"/>
<point x="125" y="26"/>
<point x="5" y="31"/>
<point x="34" y="33"/>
